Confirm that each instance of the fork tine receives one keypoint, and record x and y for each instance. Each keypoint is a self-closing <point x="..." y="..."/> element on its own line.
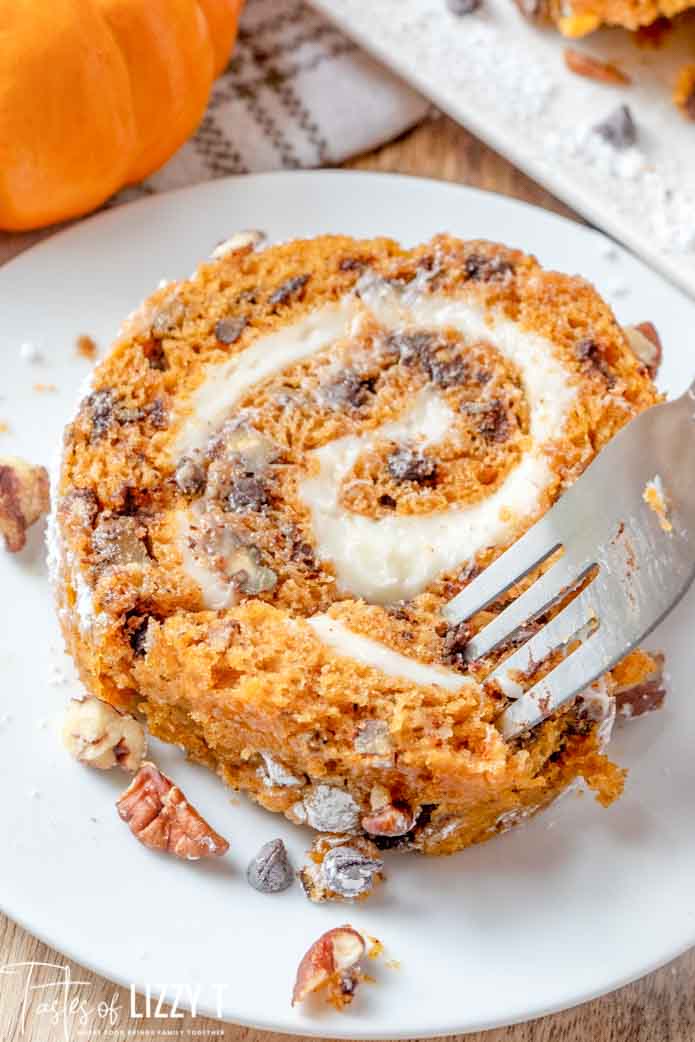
<point x="560" y="577"/>
<point x="538" y="543"/>
<point x="556" y="633"/>
<point x="571" y="676"/>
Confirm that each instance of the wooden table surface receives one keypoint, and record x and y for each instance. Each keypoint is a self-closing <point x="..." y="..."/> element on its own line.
<point x="658" y="1008"/>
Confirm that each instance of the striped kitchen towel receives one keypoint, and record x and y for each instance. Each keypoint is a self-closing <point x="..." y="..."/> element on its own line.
<point x="296" y="94"/>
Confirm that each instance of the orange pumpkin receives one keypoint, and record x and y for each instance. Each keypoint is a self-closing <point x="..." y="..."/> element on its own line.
<point x="96" y="94"/>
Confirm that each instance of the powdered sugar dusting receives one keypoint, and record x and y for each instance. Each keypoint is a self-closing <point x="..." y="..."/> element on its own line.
<point x="504" y="78"/>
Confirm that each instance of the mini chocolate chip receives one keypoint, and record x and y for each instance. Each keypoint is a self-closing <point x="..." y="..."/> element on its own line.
<point x="449" y="374"/>
<point x="137" y="637"/>
<point x="348" y="872"/>
<point x="350" y="389"/>
<point x="293" y="287"/>
<point x="487" y="269"/>
<point x="101" y="407"/>
<point x="247" y="493"/>
<point x="589" y="352"/>
<point x="455" y="642"/>
<point x="157" y="414"/>
<point x="533" y="9"/>
<point x="618" y="128"/>
<point x="406" y="465"/>
<point x="492" y="419"/>
<point x="352" y="264"/>
<point x="461" y="7"/>
<point x="413" y="348"/>
<point x="387" y="501"/>
<point x="190" y="476"/>
<point x="228" y="330"/>
<point x="270" y="870"/>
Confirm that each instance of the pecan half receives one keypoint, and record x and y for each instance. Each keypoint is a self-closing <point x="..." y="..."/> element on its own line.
<point x="160" y="816"/>
<point x="24" y="497"/>
<point x="98" y="735"/>
<point x="332" y="963"/>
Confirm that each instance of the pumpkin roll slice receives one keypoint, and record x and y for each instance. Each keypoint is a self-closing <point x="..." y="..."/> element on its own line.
<point x="284" y="468"/>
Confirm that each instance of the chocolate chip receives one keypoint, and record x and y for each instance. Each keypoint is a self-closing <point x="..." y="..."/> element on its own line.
<point x="101" y="407"/>
<point x="618" y="128"/>
<point x="487" y="269"/>
<point x="406" y="465"/>
<point x="492" y="419"/>
<point x="270" y="870"/>
<point x="352" y="264"/>
<point x="228" y="330"/>
<point x="350" y="389"/>
<point x="413" y="348"/>
<point x="291" y="288"/>
<point x="450" y="373"/>
<point x="455" y="642"/>
<point x="247" y="493"/>
<point x="461" y="7"/>
<point x="590" y="353"/>
<point x="348" y="872"/>
<point x="157" y="414"/>
<point x="137" y="635"/>
<point x="387" y="501"/>
<point x="190" y="476"/>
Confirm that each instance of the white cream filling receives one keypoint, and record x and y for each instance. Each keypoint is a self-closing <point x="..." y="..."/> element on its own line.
<point x="396" y="556"/>
<point x="226" y="383"/>
<point x="336" y="635"/>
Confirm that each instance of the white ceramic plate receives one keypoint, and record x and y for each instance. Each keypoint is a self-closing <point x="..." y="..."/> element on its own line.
<point x="505" y="79"/>
<point x="579" y="901"/>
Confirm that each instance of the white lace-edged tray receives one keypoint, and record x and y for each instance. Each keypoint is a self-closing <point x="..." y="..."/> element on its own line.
<point x="506" y="80"/>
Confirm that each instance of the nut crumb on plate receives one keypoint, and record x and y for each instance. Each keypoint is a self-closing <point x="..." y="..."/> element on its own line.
<point x="583" y="64"/>
<point x="332" y="964"/>
<point x="160" y="816"/>
<point x="341" y="868"/>
<point x="98" y="735"/>
<point x="645" y="341"/>
<point x="24" y="497"/>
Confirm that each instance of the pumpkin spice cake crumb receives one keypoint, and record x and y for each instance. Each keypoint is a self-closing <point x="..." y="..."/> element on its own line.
<point x="257" y="530"/>
<point x="86" y="347"/>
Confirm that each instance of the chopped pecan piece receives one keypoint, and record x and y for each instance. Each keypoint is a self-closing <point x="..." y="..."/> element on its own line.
<point x="98" y="735"/>
<point x="24" y="497"/>
<point x="160" y="816"/>
<point x="487" y="269"/>
<point x="644" y="697"/>
<point x="406" y="465"/>
<point x="646" y="344"/>
<point x="391" y="820"/>
<point x="332" y="963"/>
<point x="341" y="868"/>
<point x="241" y="242"/>
<point x="583" y="64"/>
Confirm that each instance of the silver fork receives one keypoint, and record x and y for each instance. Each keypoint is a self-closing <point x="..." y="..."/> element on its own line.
<point x="600" y="523"/>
